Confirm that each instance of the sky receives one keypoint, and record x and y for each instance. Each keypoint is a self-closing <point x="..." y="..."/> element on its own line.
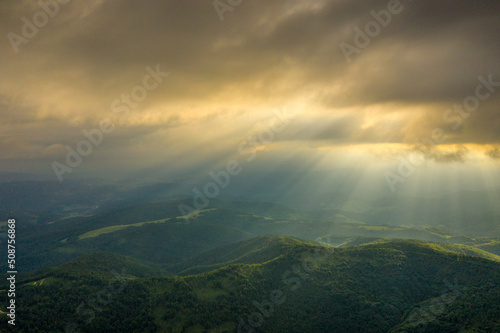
<point x="179" y="88"/>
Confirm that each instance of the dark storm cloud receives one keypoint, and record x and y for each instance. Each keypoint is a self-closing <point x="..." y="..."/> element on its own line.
<point x="432" y="50"/>
<point x="265" y="54"/>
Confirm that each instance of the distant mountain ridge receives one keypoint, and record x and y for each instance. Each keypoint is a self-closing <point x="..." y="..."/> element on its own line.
<point x="156" y="232"/>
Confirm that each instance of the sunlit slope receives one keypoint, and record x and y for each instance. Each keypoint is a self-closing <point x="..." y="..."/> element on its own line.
<point x="253" y="251"/>
<point x="475" y="251"/>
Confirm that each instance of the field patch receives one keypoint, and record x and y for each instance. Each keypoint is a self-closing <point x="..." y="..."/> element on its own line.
<point x="195" y="214"/>
<point x="114" y="228"/>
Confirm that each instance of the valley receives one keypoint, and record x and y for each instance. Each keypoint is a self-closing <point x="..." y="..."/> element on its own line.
<point x="249" y="266"/>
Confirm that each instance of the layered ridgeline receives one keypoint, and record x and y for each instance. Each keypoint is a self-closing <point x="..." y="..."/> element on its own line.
<point x="465" y="212"/>
<point x="269" y="284"/>
<point x="158" y="232"/>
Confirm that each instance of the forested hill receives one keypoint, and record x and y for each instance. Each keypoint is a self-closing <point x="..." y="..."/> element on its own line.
<point x="269" y="284"/>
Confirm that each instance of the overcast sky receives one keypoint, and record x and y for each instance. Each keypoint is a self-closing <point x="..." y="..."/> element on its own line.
<point x="227" y="77"/>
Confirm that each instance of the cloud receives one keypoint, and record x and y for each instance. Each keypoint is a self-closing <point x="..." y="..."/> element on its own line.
<point x="493" y="153"/>
<point x="443" y="155"/>
<point x="263" y="56"/>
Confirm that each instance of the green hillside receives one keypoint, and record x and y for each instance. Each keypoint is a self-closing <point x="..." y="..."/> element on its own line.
<point x="475" y="251"/>
<point x="286" y="285"/>
<point x="104" y="262"/>
<point x="156" y="232"/>
<point x="253" y="251"/>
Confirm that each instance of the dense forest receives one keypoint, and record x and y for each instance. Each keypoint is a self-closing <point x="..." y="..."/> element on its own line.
<point x="269" y="284"/>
